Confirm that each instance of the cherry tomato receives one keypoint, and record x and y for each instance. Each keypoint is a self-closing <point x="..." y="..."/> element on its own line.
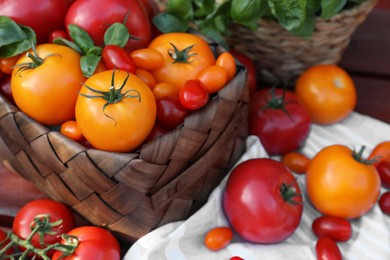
<point x="147" y="58"/>
<point x="339" y="183"/>
<point x="115" y="57"/>
<point x="21" y="225"/>
<point x="250" y="67"/>
<point x="58" y="34"/>
<point x="122" y="115"/>
<point x="328" y="92"/>
<point x="327" y="249"/>
<point x="48" y="92"/>
<point x="170" y="112"/>
<point x="236" y="258"/>
<point x="5" y="88"/>
<point x="381" y="156"/>
<point x="95" y="16"/>
<point x="185" y="55"/>
<point x="43" y="16"/>
<point x="213" y="78"/>
<point x="164" y="89"/>
<point x="338" y="229"/>
<point x="6" y="64"/>
<point x="226" y="61"/>
<point x="146" y="77"/>
<point x="4" y="241"/>
<point x="218" y="238"/>
<point x="71" y="130"/>
<point x="384" y="202"/>
<point x="193" y="95"/>
<point x="296" y="162"/>
<point x="263" y="201"/>
<point x="279" y="119"/>
<point x="94" y="243"/>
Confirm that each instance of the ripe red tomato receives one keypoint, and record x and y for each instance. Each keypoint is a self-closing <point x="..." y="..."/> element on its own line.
<point x="296" y="162"/>
<point x="95" y="16"/>
<point x="4" y="241"/>
<point x="381" y="156"/>
<point x="327" y="249"/>
<point x="279" y="119"/>
<point x="58" y="34"/>
<point x="5" y="88"/>
<point x="43" y="16"/>
<point x="94" y="243"/>
<point x="250" y="67"/>
<point x="384" y="202"/>
<point x="170" y="112"/>
<point x="193" y="95"/>
<point x="115" y="57"/>
<point x="218" y="238"/>
<point x="338" y="229"/>
<point x="339" y="183"/>
<point x="21" y="225"/>
<point x="263" y="201"/>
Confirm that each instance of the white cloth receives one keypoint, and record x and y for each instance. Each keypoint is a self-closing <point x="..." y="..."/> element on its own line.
<point x="371" y="233"/>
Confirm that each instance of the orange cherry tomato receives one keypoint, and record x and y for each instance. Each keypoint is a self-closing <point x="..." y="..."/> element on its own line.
<point x="147" y="58"/>
<point x="218" y="238"/>
<point x="380" y="152"/>
<point x="214" y="78"/>
<point x="226" y="61"/>
<point x="146" y="77"/>
<point x="328" y="92"/>
<point x="164" y="89"/>
<point x="71" y="130"/>
<point x="340" y="183"/>
<point x="296" y="162"/>
<point x="6" y="64"/>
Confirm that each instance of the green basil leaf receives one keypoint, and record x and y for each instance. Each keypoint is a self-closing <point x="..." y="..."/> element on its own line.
<point x="181" y="9"/>
<point x="16" y="48"/>
<point x="247" y="12"/>
<point x="10" y="31"/>
<point x="80" y="37"/>
<point x="214" y="35"/>
<point x="70" y="44"/>
<point x="117" y="34"/>
<point x="290" y="14"/>
<point x="331" y="7"/>
<point x="307" y="27"/>
<point x="95" y="50"/>
<point x="169" y="23"/>
<point x="88" y="64"/>
<point x="203" y="8"/>
<point x="358" y="1"/>
<point x="313" y="6"/>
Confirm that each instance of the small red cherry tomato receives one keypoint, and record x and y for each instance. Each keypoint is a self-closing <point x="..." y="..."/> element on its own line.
<point x="381" y="156"/>
<point x="71" y="130"/>
<point x="338" y="229"/>
<point x="213" y="77"/>
<point x="250" y="67"/>
<point x="236" y="258"/>
<point x="58" y="34"/>
<point x="115" y="57"/>
<point x="226" y="61"/>
<point x="384" y="202"/>
<point x="327" y="249"/>
<point x="170" y="112"/>
<point x="193" y="95"/>
<point x="296" y="162"/>
<point x="218" y="238"/>
<point x="4" y="242"/>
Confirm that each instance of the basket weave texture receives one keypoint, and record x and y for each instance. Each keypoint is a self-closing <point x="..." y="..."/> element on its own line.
<point x="132" y="193"/>
<point x="281" y="57"/>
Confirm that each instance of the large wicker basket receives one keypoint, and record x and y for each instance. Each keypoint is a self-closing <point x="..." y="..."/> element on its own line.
<point x="132" y="193"/>
<point x="282" y="57"/>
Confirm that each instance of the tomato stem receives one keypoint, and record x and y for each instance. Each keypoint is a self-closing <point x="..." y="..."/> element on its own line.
<point x="289" y="192"/>
<point x="181" y="56"/>
<point x="358" y="156"/>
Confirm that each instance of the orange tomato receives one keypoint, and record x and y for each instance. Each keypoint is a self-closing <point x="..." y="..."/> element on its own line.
<point x="115" y="117"/>
<point x="147" y="58"/>
<point x="6" y="64"/>
<point x="328" y="92"/>
<point x="218" y="238"/>
<point x="296" y="162"/>
<point x="213" y="78"/>
<point x="71" y="130"/>
<point x="48" y="92"/>
<point x="146" y="77"/>
<point x="164" y="89"/>
<point x="185" y="56"/>
<point x="340" y="185"/>
<point x="380" y="152"/>
<point x="226" y="61"/>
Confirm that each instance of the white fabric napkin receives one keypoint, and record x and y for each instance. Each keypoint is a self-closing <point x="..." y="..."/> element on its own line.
<point x="371" y="233"/>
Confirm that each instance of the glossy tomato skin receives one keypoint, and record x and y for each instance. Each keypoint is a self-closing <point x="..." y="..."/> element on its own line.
<point x="170" y="112"/>
<point x="282" y="129"/>
<point x="94" y="243"/>
<point x="338" y="229"/>
<point x="384" y="202"/>
<point x="328" y="92"/>
<point x="95" y="16"/>
<point x="296" y="162"/>
<point x="4" y="241"/>
<point x="115" y="57"/>
<point x="121" y="126"/>
<point x="327" y="249"/>
<point x="43" y="16"/>
<point x="48" y="92"/>
<point x="250" y="67"/>
<point x="193" y="95"/>
<point x="254" y="204"/>
<point x="55" y="210"/>
<point x="339" y="185"/>
<point x="218" y="238"/>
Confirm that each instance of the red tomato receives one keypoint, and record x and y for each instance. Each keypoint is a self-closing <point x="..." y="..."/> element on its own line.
<point x="381" y="156"/>
<point x="218" y="238"/>
<point x="4" y="241"/>
<point x="71" y="130"/>
<point x="6" y="64"/>
<point x="170" y="112"/>
<point x="279" y="119"/>
<point x="95" y="16"/>
<point x="327" y="249"/>
<point x="338" y="229"/>
<point x="24" y="218"/>
<point x="263" y="201"/>
<point x="5" y="88"/>
<point x="250" y="67"/>
<point x="151" y="7"/>
<point x="94" y="243"/>
<point x="296" y="162"/>
<point x="115" y="57"/>
<point x="384" y="202"/>
<point x="193" y="95"/>
<point x="383" y="168"/>
<point x="43" y="16"/>
<point x="236" y="258"/>
<point x="58" y="34"/>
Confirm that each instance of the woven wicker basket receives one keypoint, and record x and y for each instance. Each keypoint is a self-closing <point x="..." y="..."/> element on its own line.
<point x="282" y="57"/>
<point x="132" y="193"/>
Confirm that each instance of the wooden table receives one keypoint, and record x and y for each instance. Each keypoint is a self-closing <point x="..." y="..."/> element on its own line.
<point x="367" y="59"/>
